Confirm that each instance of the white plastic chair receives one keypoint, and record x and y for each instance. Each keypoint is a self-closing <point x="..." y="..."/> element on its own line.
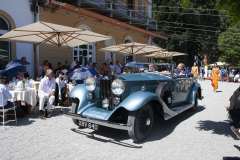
<point x="4" y="111"/>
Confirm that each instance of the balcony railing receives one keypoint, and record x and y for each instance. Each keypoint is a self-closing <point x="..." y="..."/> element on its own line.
<point x="117" y="8"/>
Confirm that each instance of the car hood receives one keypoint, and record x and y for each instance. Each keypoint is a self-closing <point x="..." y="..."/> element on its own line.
<point x="143" y="76"/>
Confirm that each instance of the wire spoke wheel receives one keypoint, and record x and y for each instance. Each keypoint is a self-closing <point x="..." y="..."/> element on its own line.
<point x="142" y="122"/>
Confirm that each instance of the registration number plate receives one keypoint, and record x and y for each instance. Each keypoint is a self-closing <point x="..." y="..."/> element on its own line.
<point x="88" y="125"/>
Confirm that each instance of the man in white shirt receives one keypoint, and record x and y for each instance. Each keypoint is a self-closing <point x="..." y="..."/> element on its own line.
<point x="118" y="67"/>
<point x="74" y="63"/>
<point x="151" y="67"/>
<point x="20" y="76"/>
<point x="46" y="93"/>
<point x="111" y="67"/>
<point x="4" y="96"/>
<point x="89" y="65"/>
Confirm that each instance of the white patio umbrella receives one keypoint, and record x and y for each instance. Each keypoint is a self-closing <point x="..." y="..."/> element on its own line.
<point x="220" y="64"/>
<point x="132" y="48"/>
<point x="49" y="33"/>
<point x="165" y="54"/>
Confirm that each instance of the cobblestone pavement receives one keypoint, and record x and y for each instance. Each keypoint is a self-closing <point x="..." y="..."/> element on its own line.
<point x="202" y="134"/>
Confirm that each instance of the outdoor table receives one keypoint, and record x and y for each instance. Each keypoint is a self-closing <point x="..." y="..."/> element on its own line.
<point x="25" y="95"/>
<point x="35" y="84"/>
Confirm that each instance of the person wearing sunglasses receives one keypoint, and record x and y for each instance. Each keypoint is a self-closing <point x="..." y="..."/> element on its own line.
<point x="4" y="79"/>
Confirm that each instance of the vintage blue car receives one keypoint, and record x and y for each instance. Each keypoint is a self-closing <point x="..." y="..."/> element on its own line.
<point x="130" y="101"/>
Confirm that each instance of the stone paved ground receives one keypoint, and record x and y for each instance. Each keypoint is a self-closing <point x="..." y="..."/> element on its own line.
<point x="203" y="134"/>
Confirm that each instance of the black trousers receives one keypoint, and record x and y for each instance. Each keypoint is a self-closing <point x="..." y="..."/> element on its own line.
<point x="235" y="114"/>
<point x="63" y="93"/>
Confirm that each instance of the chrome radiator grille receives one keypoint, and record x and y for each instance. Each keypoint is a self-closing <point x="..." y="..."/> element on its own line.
<point x="105" y="91"/>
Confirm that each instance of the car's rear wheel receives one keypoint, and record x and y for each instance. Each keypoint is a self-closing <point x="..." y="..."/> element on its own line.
<point x="195" y="102"/>
<point x="142" y="122"/>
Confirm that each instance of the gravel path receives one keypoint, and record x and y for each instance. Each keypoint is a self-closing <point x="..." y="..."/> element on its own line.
<point x="202" y="134"/>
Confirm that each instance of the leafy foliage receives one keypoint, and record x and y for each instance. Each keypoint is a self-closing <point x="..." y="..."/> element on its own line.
<point x="229" y="44"/>
<point x="233" y="7"/>
<point x="193" y="30"/>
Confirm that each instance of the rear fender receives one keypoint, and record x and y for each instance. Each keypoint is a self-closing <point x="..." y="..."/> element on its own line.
<point x="195" y="89"/>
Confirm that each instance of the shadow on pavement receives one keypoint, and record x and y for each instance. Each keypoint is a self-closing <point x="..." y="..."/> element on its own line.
<point x="28" y="119"/>
<point x="160" y="129"/>
<point x="220" y="128"/>
<point x="232" y="158"/>
<point x="236" y="146"/>
<point x="116" y="136"/>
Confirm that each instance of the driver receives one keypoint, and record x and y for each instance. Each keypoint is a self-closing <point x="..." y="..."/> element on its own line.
<point x="182" y="71"/>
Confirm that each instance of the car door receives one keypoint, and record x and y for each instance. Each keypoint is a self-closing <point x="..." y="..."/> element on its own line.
<point x="181" y="89"/>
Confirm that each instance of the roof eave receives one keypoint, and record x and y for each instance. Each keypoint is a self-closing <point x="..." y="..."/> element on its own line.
<point x="97" y="16"/>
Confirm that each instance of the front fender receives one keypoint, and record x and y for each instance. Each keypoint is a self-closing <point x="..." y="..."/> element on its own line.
<point x="80" y="92"/>
<point x="196" y="88"/>
<point x="138" y="99"/>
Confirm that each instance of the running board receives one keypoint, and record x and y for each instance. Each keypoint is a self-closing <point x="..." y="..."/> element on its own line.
<point x="182" y="108"/>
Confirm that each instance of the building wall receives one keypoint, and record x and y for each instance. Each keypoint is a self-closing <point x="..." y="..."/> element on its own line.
<point x="19" y="14"/>
<point x="67" y="18"/>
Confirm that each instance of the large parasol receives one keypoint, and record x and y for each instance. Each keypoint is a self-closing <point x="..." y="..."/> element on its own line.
<point x="54" y="34"/>
<point x="132" y="48"/>
<point x="165" y="54"/>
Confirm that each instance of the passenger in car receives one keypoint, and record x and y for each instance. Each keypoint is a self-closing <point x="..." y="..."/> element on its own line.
<point x="151" y="68"/>
<point x="182" y="71"/>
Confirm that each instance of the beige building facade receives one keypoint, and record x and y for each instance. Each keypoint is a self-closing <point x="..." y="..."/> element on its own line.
<point x="124" y="20"/>
<point x="73" y="16"/>
<point x="67" y="18"/>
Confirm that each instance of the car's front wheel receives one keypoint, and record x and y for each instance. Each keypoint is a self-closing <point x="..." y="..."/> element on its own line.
<point x="74" y="109"/>
<point x="142" y="122"/>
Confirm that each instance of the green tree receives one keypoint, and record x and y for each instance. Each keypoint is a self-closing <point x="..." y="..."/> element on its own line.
<point x="193" y="30"/>
<point x="229" y="44"/>
<point x="233" y="7"/>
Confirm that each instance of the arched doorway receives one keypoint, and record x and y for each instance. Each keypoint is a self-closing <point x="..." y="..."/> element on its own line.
<point x="128" y="58"/>
<point x="4" y="45"/>
<point x="109" y="56"/>
<point x="85" y="53"/>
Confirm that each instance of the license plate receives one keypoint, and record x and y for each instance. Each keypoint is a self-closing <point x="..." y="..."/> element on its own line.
<point x="88" y="125"/>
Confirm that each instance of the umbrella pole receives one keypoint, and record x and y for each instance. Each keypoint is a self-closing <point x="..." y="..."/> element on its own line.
<point x="36" y="59"/>
<point x="112" y="58"/>
<point x="172" y="67"/>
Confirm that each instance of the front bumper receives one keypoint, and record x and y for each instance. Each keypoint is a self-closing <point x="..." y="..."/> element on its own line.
<point x="121" y="126"/>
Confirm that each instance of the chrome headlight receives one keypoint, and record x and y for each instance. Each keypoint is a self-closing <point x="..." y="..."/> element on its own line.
<point x="90" y="84"/>
<point x="118" y="87"/>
